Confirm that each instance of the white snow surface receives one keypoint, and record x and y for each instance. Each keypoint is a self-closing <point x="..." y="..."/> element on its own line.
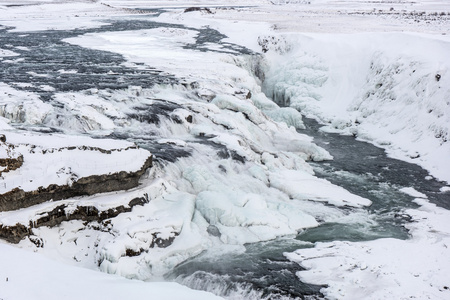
<point x="413" y="193"/>
<point x="45" y="278"/>
<point x="7" y="53"/>
<point x="62" y="160"/>
<point x="391" y="89"/>
<point x="41" y="16"/>
<point x="363" y="82"/>
<point x="385" y="268"/>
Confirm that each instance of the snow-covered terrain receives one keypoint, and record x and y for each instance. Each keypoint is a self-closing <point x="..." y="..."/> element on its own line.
<point x="231" y="165"/>
<point x="62" y="160"/>
<point x="388" y="88"/>
<point x="385" y="268"/>
<point x="47" y="279"/>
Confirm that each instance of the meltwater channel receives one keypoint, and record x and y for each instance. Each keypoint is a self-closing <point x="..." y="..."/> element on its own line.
<point x="262" y="271"/>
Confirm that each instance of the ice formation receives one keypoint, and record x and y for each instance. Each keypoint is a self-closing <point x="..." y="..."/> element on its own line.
<point x="387" y="88"/>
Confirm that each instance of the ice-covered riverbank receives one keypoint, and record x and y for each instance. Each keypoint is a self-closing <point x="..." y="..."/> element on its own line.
<point x="391" y="89"/>
<point x="385" y="268"/>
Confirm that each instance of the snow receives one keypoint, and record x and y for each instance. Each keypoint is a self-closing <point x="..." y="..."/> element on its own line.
<point x="4" y="123"/>
<point x="7" y="53"/>
<point x="57" y="141"/>
<point x="373" y="87"/>
<point x="413" y="193"/>
<point x="96" y="113"/>
<point x="385" y="268"/>
<point x="162" y="43"/>
<point x="47" y="279"/>
<point x="69" y="16"/>
<point x="62" y="160"/>
<point x="239" y="31"/>
<point x="302" y="185"/>
<point x="23" y="107"/>
<point x="326" y="59"/>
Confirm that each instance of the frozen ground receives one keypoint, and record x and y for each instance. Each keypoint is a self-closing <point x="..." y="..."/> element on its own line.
<point x="47" y="279"/>
<point x="243" y="177"/>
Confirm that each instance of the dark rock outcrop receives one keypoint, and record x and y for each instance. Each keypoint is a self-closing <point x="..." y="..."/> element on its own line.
<point x="156" y="242"/>
<point x="18" y="198"/>
<point x="201" y="9"/>
<point x="15" y="233"/>
<point x="11" y="164"/>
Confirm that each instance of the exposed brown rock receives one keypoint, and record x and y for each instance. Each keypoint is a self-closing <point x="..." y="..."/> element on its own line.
<point x="15" y="233"/>
<point x="202" y="9"/>
<point x="131" y="252"/>
<point x="17" y="198"/>
<point x="11" y="164"/>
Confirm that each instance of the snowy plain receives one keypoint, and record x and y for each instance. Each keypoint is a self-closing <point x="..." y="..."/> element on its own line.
<point x="317" y="66"/>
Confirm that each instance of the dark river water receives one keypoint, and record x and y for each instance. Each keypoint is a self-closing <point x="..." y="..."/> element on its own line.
<point x="261" y="272"/>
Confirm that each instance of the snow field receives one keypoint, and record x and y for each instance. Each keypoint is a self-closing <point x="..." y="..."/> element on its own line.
<point x="48" y="279"/>
<point x="70" y="15"/>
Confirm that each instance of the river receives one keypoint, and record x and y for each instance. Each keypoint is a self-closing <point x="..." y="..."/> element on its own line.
<point x="261" y="271"/>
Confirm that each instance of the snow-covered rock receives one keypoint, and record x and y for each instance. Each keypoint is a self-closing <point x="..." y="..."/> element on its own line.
<point x="47" y="167"/>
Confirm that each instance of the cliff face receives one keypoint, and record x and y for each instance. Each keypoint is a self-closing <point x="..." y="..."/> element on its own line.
<point x="15" y="233"/>
<point x="37" y="168"/>
<point x="18" y="198"/>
